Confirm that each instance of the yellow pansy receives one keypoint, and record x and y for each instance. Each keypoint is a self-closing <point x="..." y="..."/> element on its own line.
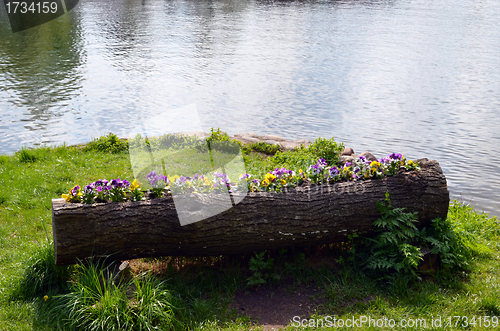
<point x="173" y="178"/>
<point x="270" y="177"/>
<point x="73" y="198"/>
<point x="265" y="182"/>
<point x="283" y="181"/>
<point x="375" y="164"/>
<point x="135" y="185"/>
<point x="66" y="197"/>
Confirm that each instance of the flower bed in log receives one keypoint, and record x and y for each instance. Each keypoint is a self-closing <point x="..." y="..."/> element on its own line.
<point x="279" y="179"/>
<point x="321" y="205"/>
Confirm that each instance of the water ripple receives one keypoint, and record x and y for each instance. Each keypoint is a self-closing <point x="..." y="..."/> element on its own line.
<point x="420" y="78"/>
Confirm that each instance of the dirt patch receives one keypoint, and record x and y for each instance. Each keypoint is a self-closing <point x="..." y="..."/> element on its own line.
<point x="274" y="307"/>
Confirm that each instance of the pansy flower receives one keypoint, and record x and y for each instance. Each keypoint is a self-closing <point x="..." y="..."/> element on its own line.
<point x="135" y="185"/>
<point x="396" y="156"/>
<point x="270" y="177"/>
<point x="245" y="176"/>
<point x="74" y="194"/>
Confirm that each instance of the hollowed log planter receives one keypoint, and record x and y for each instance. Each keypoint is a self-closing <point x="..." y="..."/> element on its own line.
<point x="303" y="216"/>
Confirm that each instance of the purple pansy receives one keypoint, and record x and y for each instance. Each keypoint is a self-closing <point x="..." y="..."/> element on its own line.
<point x="116" y="183"/>
<point x="245" y="176"/>
<point x="88" y="189"/>
<point x="396" y="156"/>
<point x="75" y="190"/>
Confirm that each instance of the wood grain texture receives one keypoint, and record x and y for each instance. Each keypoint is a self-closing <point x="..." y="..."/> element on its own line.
<point x="303" y="216"/>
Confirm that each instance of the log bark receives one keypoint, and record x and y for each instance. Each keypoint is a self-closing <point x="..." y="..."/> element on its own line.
<point x="303" y="216"/>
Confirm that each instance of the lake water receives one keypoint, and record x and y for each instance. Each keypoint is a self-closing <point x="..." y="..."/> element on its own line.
<point x="417" y="77"/>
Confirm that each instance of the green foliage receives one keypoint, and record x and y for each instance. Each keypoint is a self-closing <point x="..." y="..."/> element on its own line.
<point x="218" y="135"/>
<point x="165" y="142"/>
<point x="230" y="147"/>
<point x="391" y="248"/>
<point x="397" y="246"/>
<point x="220" y="141"/>
<point x="443" y="240"/>
<point x="95" y="302"/>
<point x="302" y="157"/>
<point x="41" y="276"/>
<point x="260" y="268"/>
<point x="262" y="147"/>
<point x="327" y="149"/>
<point x="109" y="144"/>
<point x="482" y="232"/>
<point x="151" y="304"/>
<point x="299" y="158"/>
<point x="26" y="155"/>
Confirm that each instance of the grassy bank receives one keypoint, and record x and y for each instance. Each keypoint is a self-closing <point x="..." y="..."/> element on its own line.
<point x="208" y="293"/>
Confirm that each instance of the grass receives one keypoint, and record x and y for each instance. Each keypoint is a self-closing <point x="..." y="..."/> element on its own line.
<point x="196" y="293"/>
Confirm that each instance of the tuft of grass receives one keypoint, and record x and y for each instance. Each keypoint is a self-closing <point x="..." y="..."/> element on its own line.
<point x="26" y="155"/>
<point x="94" y="302"/>
<point x="40" y="275"/>
<point x="109" y="144"/>
<point x="262" y="147"/>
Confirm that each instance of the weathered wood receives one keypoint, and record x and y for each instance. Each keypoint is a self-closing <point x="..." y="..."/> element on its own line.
<point x="309" y="215"/>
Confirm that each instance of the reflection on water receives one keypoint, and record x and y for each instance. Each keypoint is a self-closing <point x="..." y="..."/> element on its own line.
<point x="40" y="74"/>
<point x="416" y="77"/>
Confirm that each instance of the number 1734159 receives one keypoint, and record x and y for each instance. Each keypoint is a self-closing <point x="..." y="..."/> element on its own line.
<point x="45" y="7"/>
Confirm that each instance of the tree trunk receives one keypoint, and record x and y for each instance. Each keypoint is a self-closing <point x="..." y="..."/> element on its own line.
<point x="303" y="216"/>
